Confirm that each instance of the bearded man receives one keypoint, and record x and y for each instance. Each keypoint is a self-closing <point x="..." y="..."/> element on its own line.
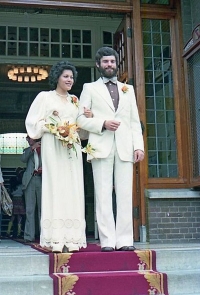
<point x="115" y="136"/>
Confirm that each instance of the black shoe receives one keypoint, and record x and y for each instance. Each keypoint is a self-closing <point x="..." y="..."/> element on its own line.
<point x="127" y="248"/>
<point x="107" y="249"/>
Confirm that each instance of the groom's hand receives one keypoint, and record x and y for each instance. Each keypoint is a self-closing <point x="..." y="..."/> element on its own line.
<point x="111" y="125"/>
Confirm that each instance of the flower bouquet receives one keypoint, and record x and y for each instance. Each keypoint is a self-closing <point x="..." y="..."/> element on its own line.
<point x="65" y="132"/>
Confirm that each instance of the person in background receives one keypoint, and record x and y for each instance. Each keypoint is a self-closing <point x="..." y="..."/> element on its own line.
<point x="115" y="135"/>
<point x="63" y="208"/>
<point x="1" y="183"/>
<point x="17" y="196"/>
<point x="32" y="186"/>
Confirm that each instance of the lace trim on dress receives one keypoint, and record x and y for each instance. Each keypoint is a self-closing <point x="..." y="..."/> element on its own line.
<point x="69" y="243"/>
<point x="70" y="233"/>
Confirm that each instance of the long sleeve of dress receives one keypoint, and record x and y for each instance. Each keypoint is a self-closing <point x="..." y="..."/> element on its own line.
<point x="35" y="120"/>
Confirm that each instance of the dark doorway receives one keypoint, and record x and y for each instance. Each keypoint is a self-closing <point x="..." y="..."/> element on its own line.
<point x="15" y="100"/>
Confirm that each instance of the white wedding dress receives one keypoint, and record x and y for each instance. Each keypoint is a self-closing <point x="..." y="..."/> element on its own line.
<point x="63" y="208"/>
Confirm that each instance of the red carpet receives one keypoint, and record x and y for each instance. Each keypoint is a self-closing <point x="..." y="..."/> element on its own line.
<point x="92" y="272"/>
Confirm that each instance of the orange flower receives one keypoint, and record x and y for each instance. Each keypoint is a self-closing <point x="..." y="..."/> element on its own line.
<point x="74" y="100"/>
<point x="124" y="88"/>
<point x="63" y="130"/>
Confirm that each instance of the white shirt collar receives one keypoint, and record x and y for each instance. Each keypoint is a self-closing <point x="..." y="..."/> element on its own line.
<point x="113" y="80"/>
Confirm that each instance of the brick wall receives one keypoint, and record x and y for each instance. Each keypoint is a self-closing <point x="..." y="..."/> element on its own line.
<point x="173" y="215"/>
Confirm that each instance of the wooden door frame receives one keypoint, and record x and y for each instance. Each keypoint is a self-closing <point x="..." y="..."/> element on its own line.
<point x="191" y="47"/>
<point x="89" y="6"/>
<point x="139" y="82"/>
<point x="123" y="44"/>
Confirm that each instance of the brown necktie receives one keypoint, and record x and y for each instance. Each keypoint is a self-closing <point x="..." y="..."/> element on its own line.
<point x="113" y="90"/>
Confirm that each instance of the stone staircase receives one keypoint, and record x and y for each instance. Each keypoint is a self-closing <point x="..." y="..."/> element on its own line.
<point x="25" y="271"/>
<point x="181" y="263"/>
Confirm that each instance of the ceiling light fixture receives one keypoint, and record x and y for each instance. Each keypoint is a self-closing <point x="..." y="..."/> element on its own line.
<point x="27" y="73"/>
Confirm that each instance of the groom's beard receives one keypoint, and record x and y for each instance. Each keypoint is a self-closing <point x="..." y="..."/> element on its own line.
<point x="108" y="73"/>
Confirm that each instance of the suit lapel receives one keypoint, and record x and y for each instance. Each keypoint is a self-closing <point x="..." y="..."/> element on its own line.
<point x="121" y="97"/>
<point x="104" y="93"/>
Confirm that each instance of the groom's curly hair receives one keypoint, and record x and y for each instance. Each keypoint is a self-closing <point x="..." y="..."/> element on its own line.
<point x="57" y="70"/>
<point x="106" y="51"/>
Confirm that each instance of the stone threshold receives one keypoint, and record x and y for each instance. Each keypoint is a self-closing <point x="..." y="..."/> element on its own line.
<point x="172" y="194"/>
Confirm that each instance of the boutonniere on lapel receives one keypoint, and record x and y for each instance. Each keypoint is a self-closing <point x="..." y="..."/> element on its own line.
<point x="124" y="88"/>
<point x="74" y="100"/>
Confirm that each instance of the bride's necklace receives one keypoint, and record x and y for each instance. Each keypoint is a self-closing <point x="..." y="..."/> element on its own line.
<point x="61" y="95"/>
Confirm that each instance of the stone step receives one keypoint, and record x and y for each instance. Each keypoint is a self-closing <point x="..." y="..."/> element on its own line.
<point x="181" y="263"/>
<point x="184" y="282"/>
<point x="18" y="259"/>
<point x="182" y="266"/>
<point x="103" y="261"/>
<point x="178" y="259"/>
<point x="21" y="264"/>
<point x="23" y="270"/>
<point x="112" y="283"/>
<point x="26" y="285"/>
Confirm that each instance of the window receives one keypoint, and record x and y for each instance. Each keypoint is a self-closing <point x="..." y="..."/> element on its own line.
<point x="107" y="39"/>
<point x="13" y="143"/>
<point x="160" y="112"/>
<point x="45" y="42"/>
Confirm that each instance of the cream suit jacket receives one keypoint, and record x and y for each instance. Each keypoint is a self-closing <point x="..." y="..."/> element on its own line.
<point x="128" y="136"/>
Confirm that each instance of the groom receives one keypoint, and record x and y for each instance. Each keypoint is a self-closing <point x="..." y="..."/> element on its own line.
<point x="115" y="134"/>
